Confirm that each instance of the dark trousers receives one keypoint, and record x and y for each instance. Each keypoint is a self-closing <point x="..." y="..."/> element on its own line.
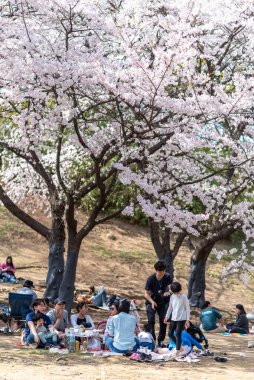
<point x="230" y="326"/>
<point x="161" y="311"/>
<point x="176" y="326"/>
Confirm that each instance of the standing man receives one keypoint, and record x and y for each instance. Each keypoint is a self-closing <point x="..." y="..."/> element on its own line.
<point x="157" y="297"/>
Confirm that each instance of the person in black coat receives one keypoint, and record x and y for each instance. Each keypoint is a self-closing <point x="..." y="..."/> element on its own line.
<point x="241" y="324"/>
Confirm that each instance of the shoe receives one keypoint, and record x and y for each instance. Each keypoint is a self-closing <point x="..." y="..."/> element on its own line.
<point x="220" y="359"/>
<point x="134" y="356"/>
<point x="161" y="344"/>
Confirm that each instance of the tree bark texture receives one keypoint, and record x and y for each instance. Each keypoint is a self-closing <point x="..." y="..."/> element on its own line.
<point x="67" y="287"/>
<point x="160" y="237"/>
<point x="56" y="252"/>
<point x="197" y="279"/>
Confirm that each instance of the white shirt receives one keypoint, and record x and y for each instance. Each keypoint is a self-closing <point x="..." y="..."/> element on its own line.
<point x="145" y="337"/>
<point x="179" y="306"/>
<point x="74" y="319"/>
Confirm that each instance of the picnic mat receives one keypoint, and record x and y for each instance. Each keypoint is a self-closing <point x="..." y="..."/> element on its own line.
<point x="233" y="334"/>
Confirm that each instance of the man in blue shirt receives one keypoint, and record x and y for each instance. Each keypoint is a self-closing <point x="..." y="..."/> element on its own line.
<point x="209" y="318"/>
<point x="30" y="335"/>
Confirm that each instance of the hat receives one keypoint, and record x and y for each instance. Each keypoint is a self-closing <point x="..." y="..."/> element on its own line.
<point x="28" y="284"/>
<point x="58" y="301"/>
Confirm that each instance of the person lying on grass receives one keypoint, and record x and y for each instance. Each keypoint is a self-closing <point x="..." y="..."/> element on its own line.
<point x="187" y="343"/>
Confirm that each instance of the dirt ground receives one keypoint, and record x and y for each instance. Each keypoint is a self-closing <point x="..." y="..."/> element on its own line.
<point x="23" y="364"/>
<point x="119" y="256"/>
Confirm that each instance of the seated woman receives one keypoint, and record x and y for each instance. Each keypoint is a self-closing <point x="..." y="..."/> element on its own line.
<point x="241" y="324"/>
<point x="121" y="330"/>
<point x="187" y="343"/>
<point x="82" y="318"/>
<point x="7" y="270"/>
<point x="113" y="310"/>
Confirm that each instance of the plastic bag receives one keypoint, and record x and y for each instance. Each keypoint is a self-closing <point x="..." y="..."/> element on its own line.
<point x="94" y="344"/>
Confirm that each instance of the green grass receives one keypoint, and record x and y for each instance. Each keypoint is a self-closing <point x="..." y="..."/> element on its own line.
<point x="124" y="256"/>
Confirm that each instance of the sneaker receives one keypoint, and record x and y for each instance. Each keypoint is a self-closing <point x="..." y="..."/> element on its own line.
<point x="251" y="344"/>
<point x="134" y="356"/>
<point x="161" y="344"/>
<point x="221" y="359"/>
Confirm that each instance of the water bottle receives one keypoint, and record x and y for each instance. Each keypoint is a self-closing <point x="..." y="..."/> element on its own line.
<point x="72" y="342"/>
<point x="70" y="339"/>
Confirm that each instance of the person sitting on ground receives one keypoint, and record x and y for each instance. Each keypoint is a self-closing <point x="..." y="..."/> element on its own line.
<point x="241" y="324"/>
<point x="209" y="317"/>
<point x="145" y="338"/>
<point x="48" y="308"/>
<point x="7" y="270"/>
<point x="82" y="318"/>
<point x="180" y="308"/>
<point x="46" y="337"/>
<point x="121" y="330"/>
<point x="113" y="310"/>
<point x="59" y="317"/>
<point x="27" y="289"/>
<point x="187" y="343"/>
<point x="30" y="334"/>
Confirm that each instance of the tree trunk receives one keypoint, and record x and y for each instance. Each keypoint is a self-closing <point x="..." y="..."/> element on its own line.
<point x="66" y="291"/>
<point x="197" y="280"/>
<point x="55" y="270"/>
<point x="169" y="261"/>
<point x="160" y="237"/>
<point x="56" y="252"/>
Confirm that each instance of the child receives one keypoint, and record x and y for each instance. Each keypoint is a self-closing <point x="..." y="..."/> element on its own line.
<point x="180" y="308"/>
<point x="46" y="337"/>
<point x="145" y="338"/>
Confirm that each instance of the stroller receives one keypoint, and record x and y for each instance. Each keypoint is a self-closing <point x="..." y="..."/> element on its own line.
<point x="197" y="334"/>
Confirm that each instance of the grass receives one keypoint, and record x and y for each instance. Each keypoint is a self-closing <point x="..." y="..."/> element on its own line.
<point x="124" y="256"/>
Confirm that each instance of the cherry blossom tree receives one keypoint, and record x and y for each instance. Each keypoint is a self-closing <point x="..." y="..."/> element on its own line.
<point x="91" y="89"/>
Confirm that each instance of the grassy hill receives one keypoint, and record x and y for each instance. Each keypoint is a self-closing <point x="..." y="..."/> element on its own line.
<point x="118" y="255"/>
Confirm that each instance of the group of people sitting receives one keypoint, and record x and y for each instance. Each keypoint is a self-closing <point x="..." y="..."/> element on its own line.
<point x="212" y="321"/>
<point x="122" y="333"/>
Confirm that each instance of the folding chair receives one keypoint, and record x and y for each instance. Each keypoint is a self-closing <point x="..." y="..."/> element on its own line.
<point x="19" y="307"/>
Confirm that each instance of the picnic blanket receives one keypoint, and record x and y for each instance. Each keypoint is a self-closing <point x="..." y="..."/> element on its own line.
<point x="233" y="334"/>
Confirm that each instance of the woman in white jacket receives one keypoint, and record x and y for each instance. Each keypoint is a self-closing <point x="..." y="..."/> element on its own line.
<point x="82" y="318"/>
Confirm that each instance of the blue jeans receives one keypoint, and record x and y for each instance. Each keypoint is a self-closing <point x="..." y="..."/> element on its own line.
<point x="109" y="341"/>
<point x="101" y="298"/>
<point x="50" y="338"/>
<point x="30" y="339"/>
